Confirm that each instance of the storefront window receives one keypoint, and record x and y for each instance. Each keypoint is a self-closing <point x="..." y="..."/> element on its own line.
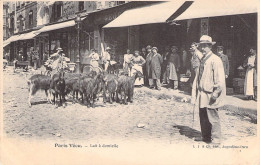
<point x="59" y="10"/>
<point x="31" y="19"/>
<point x="81" y="5"/>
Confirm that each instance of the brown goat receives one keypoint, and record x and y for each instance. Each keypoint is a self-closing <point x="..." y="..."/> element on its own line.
<point x="126" y="86"/>
<point x="88" y="86"/>
<point x="39" y="82"/>
<point x="110" y="83"/>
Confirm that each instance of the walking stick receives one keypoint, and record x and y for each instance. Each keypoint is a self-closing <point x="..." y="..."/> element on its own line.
<point x="194" y="106"/>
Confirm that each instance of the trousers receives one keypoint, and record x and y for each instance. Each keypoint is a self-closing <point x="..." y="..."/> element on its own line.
<point x="210" y="124"/>
<point x="157" y="83"/>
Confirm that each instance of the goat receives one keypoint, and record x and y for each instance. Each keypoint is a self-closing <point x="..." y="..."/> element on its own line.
<point x="76" y="86"/>
<point x="126" y="86"/>
<point x="57" y="88"/>
<point x="38" y="82"/>
<point x="110" y="83"/>
<point x="88" y="86"/>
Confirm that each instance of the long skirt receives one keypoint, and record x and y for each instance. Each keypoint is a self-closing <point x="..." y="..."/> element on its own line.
<point x="249" y="82"/>
<point x="173" y="74"/>
<point x="138" y="81"/>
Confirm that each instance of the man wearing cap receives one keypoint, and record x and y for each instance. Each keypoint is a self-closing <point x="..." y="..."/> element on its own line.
<point x="210" y="90"/>
<point x="106" y="58"/>
<point x="148" y="65"/>
<point x="174" y="65"/>
<point x="224" y="59"/>
<point x="156" y="62"/>
<point x="165" y="74"/>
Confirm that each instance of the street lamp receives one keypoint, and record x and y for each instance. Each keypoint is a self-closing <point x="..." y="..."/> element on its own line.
<point x="78" y="27"/>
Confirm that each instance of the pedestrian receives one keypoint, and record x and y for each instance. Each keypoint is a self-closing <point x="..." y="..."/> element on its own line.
<point x="183" y="59"/>
<point x="156" y="62"/>
<point x="106" y="58"/>
<point x="30" y="56"/>
<point x="20" y="55"/>
<point x="195" y="61"/>
<point x="127" y="59"/>
<point x="137" y="62"/>
<point x="35" y="59"/>
<point x="210" y="90"/>
<point x="144" y="54"/>
<point x="165" y="74"/>
<point x="224" y="59"/>
<point x="174" y="65"/>
<point x="148" y="66"/>
<point x="94" y="58"/>
<point x="250" y="86"/>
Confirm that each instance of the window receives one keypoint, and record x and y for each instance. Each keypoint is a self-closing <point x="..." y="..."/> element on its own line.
<point x="12" y="25"/>
<point x="30" y="19"/>
<point x="81" y="5"/>
<point x="59" y="10"/>
<point x="20" y="23"/>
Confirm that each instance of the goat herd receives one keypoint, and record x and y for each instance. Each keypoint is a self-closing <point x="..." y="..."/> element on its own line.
<point x="120" y="87"/>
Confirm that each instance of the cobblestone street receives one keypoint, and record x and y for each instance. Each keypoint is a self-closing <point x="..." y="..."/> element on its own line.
<point x="154" y="116"/>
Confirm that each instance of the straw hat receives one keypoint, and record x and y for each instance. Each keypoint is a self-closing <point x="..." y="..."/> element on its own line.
<point x="155" y="48"/>
<point x="205" y="39"/>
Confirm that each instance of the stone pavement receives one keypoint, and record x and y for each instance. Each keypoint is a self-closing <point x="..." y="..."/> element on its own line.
<point x="234" y="103"/>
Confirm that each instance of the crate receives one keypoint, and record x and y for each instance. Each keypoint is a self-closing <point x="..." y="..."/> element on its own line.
<point x="238" y="82"/>
<point x="239" y="90"/>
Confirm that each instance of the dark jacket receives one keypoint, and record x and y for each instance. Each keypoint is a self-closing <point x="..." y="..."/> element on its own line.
<point x="156" y="63"/>
<point x="225" y="61"/>
<point x="148" y="64"/>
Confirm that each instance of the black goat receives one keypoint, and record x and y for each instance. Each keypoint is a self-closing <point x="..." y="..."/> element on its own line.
<point x="58" y="87"/>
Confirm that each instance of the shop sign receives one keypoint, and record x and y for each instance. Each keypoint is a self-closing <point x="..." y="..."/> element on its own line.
<point x="104" y="19"/>
<point x="204" y="26"/>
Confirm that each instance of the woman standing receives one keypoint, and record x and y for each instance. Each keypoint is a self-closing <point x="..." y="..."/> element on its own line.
<point x="137" y="62"/>
<point x="94" y="58"/>
<point x="250" y="79"/>
<point x="127" y="59"/>
<point x="174" y="65"/>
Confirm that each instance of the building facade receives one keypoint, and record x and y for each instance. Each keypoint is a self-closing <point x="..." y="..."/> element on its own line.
<point x="235" y="32"/>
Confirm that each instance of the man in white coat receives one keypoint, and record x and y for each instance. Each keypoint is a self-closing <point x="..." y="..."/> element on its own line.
<point x="210" y="90"/>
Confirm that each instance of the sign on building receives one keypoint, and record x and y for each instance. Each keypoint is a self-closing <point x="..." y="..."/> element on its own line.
<point x="204" y="26"/>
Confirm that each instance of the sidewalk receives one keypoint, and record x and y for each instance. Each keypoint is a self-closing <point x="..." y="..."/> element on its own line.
<point x="234" y="103"/>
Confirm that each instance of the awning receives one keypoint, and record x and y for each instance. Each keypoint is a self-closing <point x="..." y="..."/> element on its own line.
<point x="28" y="36"/>
<point x="156" y="13"/>
<point x="214" y="8"/>
<point x="57" y="26"/>
<point x="5" y="44"/>
<point x="11" y="39"/>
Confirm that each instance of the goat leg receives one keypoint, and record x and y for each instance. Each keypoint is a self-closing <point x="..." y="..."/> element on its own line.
<point x="125" y="102"/>
<point x="104" y="93"/>
<point x="29" y="97"/>
<point x="56" y="100"/>
<point x="73" y="93"/>
<point x="110" y="97"/>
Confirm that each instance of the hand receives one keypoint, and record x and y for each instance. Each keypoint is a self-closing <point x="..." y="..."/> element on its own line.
<point x="226" y="76"/>
<point x="212" y="100"/>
